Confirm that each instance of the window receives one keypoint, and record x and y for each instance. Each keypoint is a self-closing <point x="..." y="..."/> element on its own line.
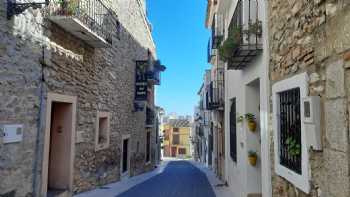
<point x="290" y="129"/>
<point x="182" y="151"/>
<point x="290" y="150"/>
<point x="176" y="139"/>
<point x="233" y="131"/>
<point x="148" y="147"/>
<point x="102" y="131"/>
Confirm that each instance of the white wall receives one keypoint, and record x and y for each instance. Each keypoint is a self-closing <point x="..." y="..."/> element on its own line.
<point x="242" y="177"/>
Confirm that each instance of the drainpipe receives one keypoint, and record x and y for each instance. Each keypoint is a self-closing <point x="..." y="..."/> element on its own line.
<point x="39" y="128"/>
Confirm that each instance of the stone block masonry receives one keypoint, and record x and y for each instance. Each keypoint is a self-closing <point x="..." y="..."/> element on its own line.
<point x="38" y="57"/>
<point x="312" y="37"/>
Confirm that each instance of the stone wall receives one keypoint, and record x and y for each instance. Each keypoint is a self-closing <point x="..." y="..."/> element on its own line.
<point x="38" y="57"/>
<point x="313" y="36"/>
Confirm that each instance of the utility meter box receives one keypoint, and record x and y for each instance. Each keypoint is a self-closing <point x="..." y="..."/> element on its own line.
<point x="312" y="121"/>
<point x="12" y="133"/>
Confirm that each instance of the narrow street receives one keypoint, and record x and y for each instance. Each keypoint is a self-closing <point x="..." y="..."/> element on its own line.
<point x="174" y="98"/>
<point x="172" y="178"/>
<point x="179" y="179"/>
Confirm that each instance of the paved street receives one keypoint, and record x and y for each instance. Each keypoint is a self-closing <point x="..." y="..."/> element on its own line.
<point x="179" y="179"/>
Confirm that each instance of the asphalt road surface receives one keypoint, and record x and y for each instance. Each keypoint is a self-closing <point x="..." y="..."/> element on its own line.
<point x="179" y="179"/>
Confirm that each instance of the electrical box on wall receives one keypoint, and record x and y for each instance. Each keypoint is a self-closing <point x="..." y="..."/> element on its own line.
<point x="312" y="121"/>
<point x="12" y="133"/>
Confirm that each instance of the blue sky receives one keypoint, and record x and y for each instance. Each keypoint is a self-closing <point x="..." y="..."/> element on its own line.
<point x="181" y="40"/>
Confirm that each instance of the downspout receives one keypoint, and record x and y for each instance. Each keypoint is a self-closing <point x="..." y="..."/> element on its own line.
<point x="39" y="128"/>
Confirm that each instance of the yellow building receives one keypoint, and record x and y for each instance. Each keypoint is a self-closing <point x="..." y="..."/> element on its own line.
<point x="177" y="138"/>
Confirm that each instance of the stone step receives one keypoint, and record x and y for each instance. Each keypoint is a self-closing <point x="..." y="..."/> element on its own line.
<point x="254" y="195"/>
<point x="57" y="193"/>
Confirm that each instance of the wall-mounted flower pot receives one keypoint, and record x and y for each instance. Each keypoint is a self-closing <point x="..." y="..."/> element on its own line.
<point x="252" y="160"/>
<point x="252" y="125"/>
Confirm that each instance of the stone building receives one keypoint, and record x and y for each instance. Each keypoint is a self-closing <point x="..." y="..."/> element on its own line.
<point x="77" y="95"/>
<point x="309" y="73"/>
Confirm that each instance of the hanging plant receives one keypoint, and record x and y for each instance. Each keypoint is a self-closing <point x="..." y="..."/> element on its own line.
<point x="293" y="147"/>
<point x="240" y="119"/>
<point x="228" y="47"/>
<point x="252" y="157"/>
<point x="251" y="121"/>
<point x="73" y="7"/>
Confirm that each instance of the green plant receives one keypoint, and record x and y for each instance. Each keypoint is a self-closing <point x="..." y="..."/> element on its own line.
<point x="72" y="7"/>
<point x="249" y="117"/>
<point x="252" y="153"/>
<point x="293" y="147"/>
<point x="254" y="28"/>
<point x="226" y="50"/>
<point x="240" y="118"/>
<point x="60" y="2"/>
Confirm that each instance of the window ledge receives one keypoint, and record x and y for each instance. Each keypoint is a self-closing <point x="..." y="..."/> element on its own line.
<point x="301" y="181"/>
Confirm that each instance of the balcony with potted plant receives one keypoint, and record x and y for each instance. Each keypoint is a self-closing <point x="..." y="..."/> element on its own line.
<point x="244" y="40"/>
<point x="154" y="71"/>
<point x="89" y="20"/>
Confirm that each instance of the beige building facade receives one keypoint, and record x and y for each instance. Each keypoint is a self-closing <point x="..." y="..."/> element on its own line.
<point x="176" y="142"/>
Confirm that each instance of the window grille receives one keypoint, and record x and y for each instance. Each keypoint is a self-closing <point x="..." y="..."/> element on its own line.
<point x="290" y="130"/>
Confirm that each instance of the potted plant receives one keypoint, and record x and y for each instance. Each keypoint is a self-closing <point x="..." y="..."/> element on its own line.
<point x="240" y="119"/>
<point x="254" y="28"/>
<point x="251" y="121"/>
<point x="228" y="47"/>
<point x="252" y="157"/>
<point x="294" y="149"/>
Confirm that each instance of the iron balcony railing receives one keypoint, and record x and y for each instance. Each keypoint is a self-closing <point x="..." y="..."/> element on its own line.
<point x="209" y="54"/>
<point x="154" y="76"/>
<point x="93" y="14"/>
<point x="217" y="31"/>
<point x="154" y="72"/>
<point x="246" y="31"/>
<point x="216" y="91"/>
<point x="216" y="95"/>
<point x="217" y="35"/>
<point x="212" y="53"/>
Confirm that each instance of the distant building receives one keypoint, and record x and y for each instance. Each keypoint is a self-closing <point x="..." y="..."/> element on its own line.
<point x="177" y="138"/>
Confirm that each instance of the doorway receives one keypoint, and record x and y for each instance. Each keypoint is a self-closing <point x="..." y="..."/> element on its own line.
<point x="253" y="139"/>
<point x="173" y="151"/>
<point x="125" y="161"/>
<point x="59" y="146"/>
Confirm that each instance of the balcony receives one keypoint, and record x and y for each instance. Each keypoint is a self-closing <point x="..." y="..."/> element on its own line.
<point x="153" y="74"/>
<point x="244" y="41"/>
<point x="89" y="20"/>
<point x="149" y="117"/>
<point x="216" y="91"/>
<point x="212" y="53"/>
<point x="217" y="35"/>
<point x="216" y="96"/>
<point x="217" y="31"/>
